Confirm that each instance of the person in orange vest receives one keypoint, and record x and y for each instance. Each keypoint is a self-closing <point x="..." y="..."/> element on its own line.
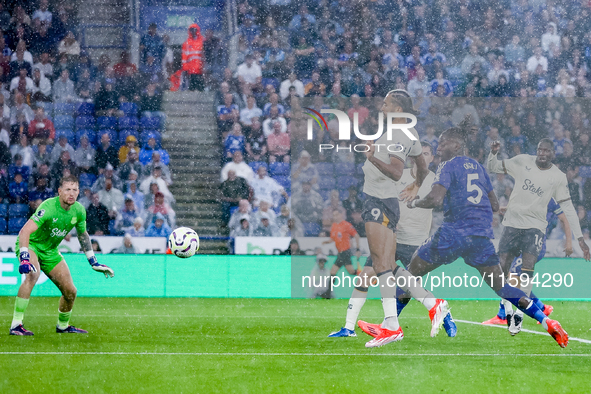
<point x="193" y="58"/>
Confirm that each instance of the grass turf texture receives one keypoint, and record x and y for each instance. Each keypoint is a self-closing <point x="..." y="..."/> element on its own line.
<point x="479" y="359"/>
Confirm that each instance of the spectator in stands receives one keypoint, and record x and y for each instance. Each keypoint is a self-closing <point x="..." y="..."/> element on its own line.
<point x="559" y="141"/>
<point x="151" y="70"/>
<point x="192" y="57"/>
<point x="256" y="144"/>
<point x="250" y="73"/>
<point x="234" y="142"/>
<point x="111" y="198"/>
<point x="334" y="203"/>
<point x="4" y="134"/>
<point x="148" y="150"/>
<point x="444" y="83"/>
<point x="251" y="111"/>
<point x="237" y="165"/>
<point x="287" y="225"/>
<point x="125" y="66"/>
<point x="472" y="58"/>
<point x="85" y="155"/>
<point x="228" y="114"/>
<point x="279" y="145"/>
<point x="152" y="43"/>
<point x="514" y="52"/>
<point x="106" y="101"/>
<point x="273" y="117"/>
<point x="243" y="229"/>
<point x="62" y="165"/>
<point x="61" y="146"/>
<point x="156" y="177"/>
<point x="264" y="208"/>
<point x="516" y="138"/>
<point x="352" y="203"/>
<point x="266" y="188"/>
<point x="127" y="246"/>
<point x="537" y="60"/>
<point x="304" y="171"/>
<point x="106" y="153"/>
<point x="108" y="173"/>
<point x="69" y="46"/>
<point x="42" y="41"/>
<point x="582" y="150"/>
<point x="4" y="193"/>
<point x="20" y="106"/>
<point x="160" y="207"/>
<point x="265" y="228"/>
<point x="19" y="167"/>
<point x="21" y="127"/>
<point x="127" y="215"/>
<point x="130" y="144"/>
<point x="85" y="197"/>
<point x="85" y="87"/>
<point x="41" y="87"/>
<point x="42" y="15"/>
<point x="44" y="65"/>
<point x="233" y="190"/>
<point x="567" y="159"/>
<point x="97" y="217"/>
<point x="22" y="83"/>
<point x="243" y="212"/>
<point x="18" y="189"/>
<point x="151" y="104"/>
<point x="131" y="164"/>
<point x="159" y="228"/>
<point x="157" y="161"/>
<point x="308" y="204"/>
<point x="138" y="228"/>
<point x="550" y="37"/>
<point x="20" y="58"/>
<point x="40" y="192"/>
<point x="63" y="88"/>
<point x="315" y="87"/>
<point x="419" y="82"/>
<point x="24" y="151"/>
<point x="288" y="83"/>
<point x="41" y="128"/>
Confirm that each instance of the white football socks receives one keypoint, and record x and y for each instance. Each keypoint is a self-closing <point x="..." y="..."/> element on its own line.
<point x="355" y="304"/>
<point x="388" y="291"/>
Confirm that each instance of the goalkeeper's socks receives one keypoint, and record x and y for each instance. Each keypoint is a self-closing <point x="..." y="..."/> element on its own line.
<point x="20" y="305"/>
<point x="63" y="319"/>
<point x="402" y="300"/>
<point x="501" y="315"/>
<point x="355" y="304"/>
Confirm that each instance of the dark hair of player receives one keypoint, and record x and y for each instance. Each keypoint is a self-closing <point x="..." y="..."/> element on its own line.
<point x="461" y="132"/>
<point x="402" y="97"/>
<point x="69" y="178"/>
<point x="547" y="141"/>
<point x="426" y="144"/>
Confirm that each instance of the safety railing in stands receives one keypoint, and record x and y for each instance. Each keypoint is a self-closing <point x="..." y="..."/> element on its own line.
<point x="122" y="43"/>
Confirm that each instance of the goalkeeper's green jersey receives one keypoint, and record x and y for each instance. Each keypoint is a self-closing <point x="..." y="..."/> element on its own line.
<point x="55" y="223"/>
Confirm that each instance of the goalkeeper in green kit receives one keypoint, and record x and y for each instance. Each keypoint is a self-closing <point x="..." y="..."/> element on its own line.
<point x="37" y="249"/>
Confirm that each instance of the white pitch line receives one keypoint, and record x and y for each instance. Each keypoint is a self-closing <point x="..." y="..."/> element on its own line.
<point x="296" y="354"/>
<point x="522" y="330"/>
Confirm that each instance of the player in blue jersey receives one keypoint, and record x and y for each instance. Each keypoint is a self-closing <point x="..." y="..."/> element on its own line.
<point x="464" y="188"/>
<point x="554" y="213"/>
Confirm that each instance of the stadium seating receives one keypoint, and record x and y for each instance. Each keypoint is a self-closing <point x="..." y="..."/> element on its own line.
<point x="153" y="122"/>
<point x="15" y="225"/>
<point x="18" y="210"/>
<point x="3" y="210"/>
<point x="3" y="225"/>
<point x="256" y="164"/>
<point x="123" y="134"/>
<point x="326" y="183"/>
<point x="86" y="109"/>
<point x="325" y="169"/>
<point x="48" y="107"/>
<point x="311" y="229"/>
<point x="69" y="135"/>
<point x="64" y="109"/>
<point x="106" y="122"/>
<point x="284" y="181"/>
<point x="87" y="179"/>
<point x="91" y="134"/>
<point x="63" y="122"/>
<point x="345" y="182"/>
<point x="585" y="171"/>
<point x="128" y="122"/>
<point x="345" y="169"/>
<point x="85" y="122"/>
<point x="147" y="134"/>
<point x="129" y="109"/>
<point x="279" y="169"/>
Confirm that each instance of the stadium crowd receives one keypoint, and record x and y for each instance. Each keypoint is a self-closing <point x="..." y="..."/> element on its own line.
<point x="62" y="114"/>
<point x="520" y="67"/>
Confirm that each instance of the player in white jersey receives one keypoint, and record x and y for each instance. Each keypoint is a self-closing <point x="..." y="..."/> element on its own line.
<point x="412" y="230"/>
<point x="537" y="180"/>
<point x="382" y="169"/>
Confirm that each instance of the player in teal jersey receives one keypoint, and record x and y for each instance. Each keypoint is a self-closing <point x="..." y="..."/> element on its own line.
<point x="37" y="249"/>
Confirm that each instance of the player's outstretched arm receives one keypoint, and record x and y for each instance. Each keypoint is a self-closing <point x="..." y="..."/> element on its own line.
<point x="494" y="201"/>
<point x="432" y="200"/>
<point x="493" y="164"/>
<point x="86" y="247"/>
<point x="573" y="220"/>
<point x="410" y="192"/>
<point x="568" y="246"/>
<point x="392" y="170"/>
<point x="23" y="239"/>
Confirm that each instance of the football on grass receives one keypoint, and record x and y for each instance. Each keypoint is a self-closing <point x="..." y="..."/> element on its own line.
<point x="183" y="242"/>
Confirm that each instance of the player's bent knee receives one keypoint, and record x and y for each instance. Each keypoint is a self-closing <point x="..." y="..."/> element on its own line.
<point x="70" y="293"/>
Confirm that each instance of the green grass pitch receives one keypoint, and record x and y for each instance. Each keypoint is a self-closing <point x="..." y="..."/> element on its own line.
<point x="188" y="345"/>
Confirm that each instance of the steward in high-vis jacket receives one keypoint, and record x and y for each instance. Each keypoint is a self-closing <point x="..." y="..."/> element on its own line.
<point x="193" y="58"/>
